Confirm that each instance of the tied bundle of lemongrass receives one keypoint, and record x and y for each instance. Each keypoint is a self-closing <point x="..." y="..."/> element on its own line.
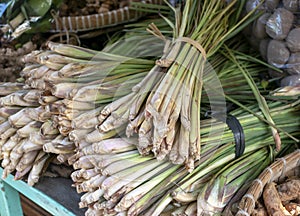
<point x="117" y="180"/>
<point x="164" y="108"/>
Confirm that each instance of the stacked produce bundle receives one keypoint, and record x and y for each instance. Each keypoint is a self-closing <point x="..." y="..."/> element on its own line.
<point x="117" y="180"/>
<point x="63" y="86"/>
<point x="276" y="32"/>
<point x="25" y="128"/>
<point x="91" y="101"/>
<point x="167" y="101"/>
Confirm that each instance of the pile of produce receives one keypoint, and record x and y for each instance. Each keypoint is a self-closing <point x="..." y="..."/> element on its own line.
<point x="276" y="191"/>
<point x="276" y="34"/>
<point x="70" y="17"/>
<point x="146" y="123"/>
<point x="11" y="60"/>
<point x="87" y="7"/>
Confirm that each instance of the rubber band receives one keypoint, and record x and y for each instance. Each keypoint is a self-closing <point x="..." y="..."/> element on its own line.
<point x="193" y="43"/>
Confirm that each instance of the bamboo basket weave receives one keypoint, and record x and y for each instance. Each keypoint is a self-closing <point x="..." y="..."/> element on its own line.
<point x="74" y="24"/>
<point x="281" y="168"/>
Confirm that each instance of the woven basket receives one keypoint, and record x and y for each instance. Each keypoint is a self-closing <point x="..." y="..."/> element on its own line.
<point x="281" y="168"/>
<point x="98" y="21"/>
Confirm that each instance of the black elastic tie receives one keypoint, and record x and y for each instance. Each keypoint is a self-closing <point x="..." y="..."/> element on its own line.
<point x="235" y="126"/>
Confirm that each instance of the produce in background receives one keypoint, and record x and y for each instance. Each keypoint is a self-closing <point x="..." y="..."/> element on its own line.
<point x="57" y="16"/>
<point x="11" y="60"/>
<point x="276" y="34"/>
<point x="276" y="190"/>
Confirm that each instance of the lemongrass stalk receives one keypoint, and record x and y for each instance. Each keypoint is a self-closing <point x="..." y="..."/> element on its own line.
<point x="133" y="125"/>
<point x="93" y="212"/>
<point x="38" y="138"/>
<point x="77" y="135"/>
<point x="261" y="101"/>
<point x="6" y="111"/>
<point x="70" y="114"/>
<point x="114" y="146"/>
<point x="58" y="149"/>
<point x="63" y="90"/>
<point x="47" y="128"/>
<point x="28" y="146"/>
<point x="88" y="174"/>
<point x="9" y="87"/>
<point x="130" y="198"/>
<point x="36" y="73"/>
<point x="90" y="197"/>
<point x="2" y="119"/>
<point x="46" y="99"/>
<point x="38" y="84"/>
<point x="138" y="181"/>
<point x="37" y="168"/>
<point x="191" y="209"/>
<point x="70" y="104"/>
<point x="62" y="158"/>
<point x="5" y="159"/>
<point x="97" y="136"/>
<point x="6" y="130"/>
<point x="26" y="160"/>
<point x="82" y="53"/>
<point x="16" y="99"/>
<point x="88" y="116"/>
<point x="10" y="143"/>
<point x="20" y="119"/>
<point x="19" y="175"/>
<point x="28" y="129"/>
<point x="138" y="171"/>
<point x="37" y="114"/>
<point x="88" y="161"/>
<point x="108" y="109"/>
<point x="215" y="202"/>
<point x="76" y="176"/>
<point x="91" y="184"/>
<point x="162" y="188"/>
<point x="117" y="167"/>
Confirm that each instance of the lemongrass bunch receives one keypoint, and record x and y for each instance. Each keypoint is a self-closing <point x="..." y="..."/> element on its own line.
<point x="167" y="101"/>
<point x="117" y="180"/>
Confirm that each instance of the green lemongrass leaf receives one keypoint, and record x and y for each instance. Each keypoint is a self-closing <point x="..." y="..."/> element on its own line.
<point x="261" y="118"/>
<point x="242" y="56"/>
